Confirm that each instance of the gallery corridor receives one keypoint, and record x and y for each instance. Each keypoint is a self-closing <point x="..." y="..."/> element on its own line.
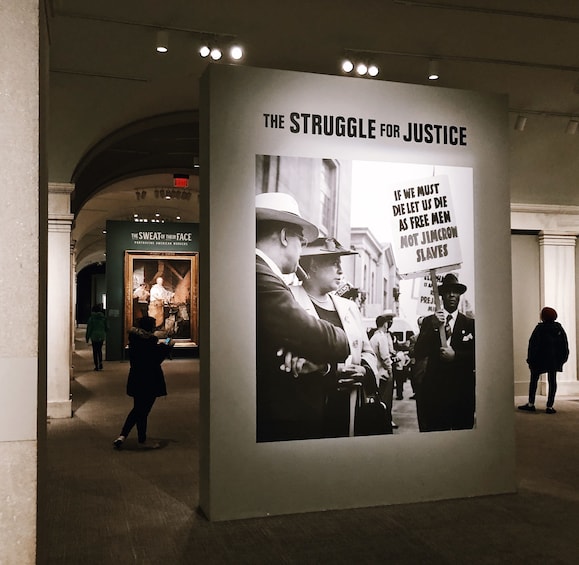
<point x="134" y="506"/>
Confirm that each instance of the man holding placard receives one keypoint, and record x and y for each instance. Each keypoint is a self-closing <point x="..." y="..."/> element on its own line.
<point x="445" y="399"/>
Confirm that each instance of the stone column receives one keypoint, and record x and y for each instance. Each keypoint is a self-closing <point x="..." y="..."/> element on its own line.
<point x="557" y="266"/>
<point x="59" y="298"/>
<point x="22" y="275"/>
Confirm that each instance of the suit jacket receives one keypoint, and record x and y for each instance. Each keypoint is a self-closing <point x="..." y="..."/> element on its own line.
<point x="289" y="407"/>
<point x="446" y="395"/>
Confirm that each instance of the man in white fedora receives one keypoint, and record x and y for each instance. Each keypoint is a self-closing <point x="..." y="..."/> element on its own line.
<point x="288" y="406"/>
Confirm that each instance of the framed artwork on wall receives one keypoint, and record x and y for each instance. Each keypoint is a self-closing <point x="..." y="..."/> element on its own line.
<point x="163" y="285"/>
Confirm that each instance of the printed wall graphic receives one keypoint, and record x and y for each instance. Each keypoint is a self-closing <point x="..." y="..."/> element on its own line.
<point x="424" y="377"/>
<point x="325" y="382"/>
<point x="163" y="286"/>
<point x="143" y="240"/>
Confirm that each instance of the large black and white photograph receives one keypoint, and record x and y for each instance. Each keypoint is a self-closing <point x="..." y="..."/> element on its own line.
<point x="365" y="298"/>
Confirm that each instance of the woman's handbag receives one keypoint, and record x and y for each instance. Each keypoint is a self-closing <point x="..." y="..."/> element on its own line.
<point x="372" y="416"/>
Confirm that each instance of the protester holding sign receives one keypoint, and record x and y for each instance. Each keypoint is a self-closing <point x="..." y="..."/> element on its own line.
<point x="445" y="398"/>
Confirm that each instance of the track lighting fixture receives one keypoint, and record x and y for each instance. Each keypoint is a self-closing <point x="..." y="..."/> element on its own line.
<point x="571" y="128"/>
<point x="361" y="68"/>
<point x="360" y="65"/>
<point x="215" y="48"/>
<point x="236" y="52"/>
<point x="347" y="65"/>
<point x="520" y="123"/>
<point x="433" y="70"/>
<point x="162" y="41"/>
<point x="204" y="50"/>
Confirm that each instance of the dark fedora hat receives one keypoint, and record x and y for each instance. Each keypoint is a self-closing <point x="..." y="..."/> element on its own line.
<point x="326" y="246"/>
<point x="450" y="282"/>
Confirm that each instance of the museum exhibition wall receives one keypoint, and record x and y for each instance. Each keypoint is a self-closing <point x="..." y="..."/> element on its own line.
<point x="152" y="270"/>
<point x="423" y="171"/>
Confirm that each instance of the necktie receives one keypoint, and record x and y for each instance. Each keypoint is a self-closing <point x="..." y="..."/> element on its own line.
<point x="447" y="326"/>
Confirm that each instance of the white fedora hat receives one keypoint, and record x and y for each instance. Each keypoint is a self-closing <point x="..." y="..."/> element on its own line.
<point x="282" y="207"/>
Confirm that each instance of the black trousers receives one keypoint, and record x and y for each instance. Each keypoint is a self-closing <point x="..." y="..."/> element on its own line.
<point x="138" y="416"/>
<point x="552" y="379"/>
<point x="386" y="392"/>
<point x="97" y="353"/>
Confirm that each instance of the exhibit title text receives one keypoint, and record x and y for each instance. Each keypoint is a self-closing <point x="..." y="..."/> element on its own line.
<point x="161" y="238"/>
<point x="367" y="128"/>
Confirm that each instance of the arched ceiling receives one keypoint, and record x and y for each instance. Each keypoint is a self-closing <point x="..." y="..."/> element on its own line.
<point x="121" y="114"/>
<point x="143" y="195"/>
<point x="161" y="143"/>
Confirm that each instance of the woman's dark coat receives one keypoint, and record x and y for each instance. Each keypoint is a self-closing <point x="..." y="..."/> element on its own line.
<point x="548" y="348"/>
<point x="146" y="355"/>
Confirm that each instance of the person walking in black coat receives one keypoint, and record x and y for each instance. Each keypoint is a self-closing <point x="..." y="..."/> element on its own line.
<point x="548" y="352"/>
<point x="146" y="381"/>
<point x="96" y="331"/>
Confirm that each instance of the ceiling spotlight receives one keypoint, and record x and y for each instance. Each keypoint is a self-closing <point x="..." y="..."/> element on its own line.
<point x="361" y="69"/>
<point x="520" y="123"/>
<point x="216" y="53"/>
<point x="162" y="43"/>
<point x="347" y="66"/>
<point x="433" y="70"/>
<point x="572" y="126"/>
<point x="236" y="52"/>
<point x="373" y="70"/>
<point x="204" y="50"/>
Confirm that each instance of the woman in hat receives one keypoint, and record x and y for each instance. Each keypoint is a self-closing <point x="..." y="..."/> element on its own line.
<point x="355" y="379"/>
<point x="548" y="352"/>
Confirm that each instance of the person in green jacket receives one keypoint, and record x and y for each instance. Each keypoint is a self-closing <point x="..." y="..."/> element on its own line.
<point x="96" y="331"/>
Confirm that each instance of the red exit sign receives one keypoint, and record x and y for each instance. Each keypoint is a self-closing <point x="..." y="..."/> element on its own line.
<point x="181" y="181"/>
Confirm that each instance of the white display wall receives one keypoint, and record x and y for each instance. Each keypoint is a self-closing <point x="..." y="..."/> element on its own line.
<point x="250" y="112"/>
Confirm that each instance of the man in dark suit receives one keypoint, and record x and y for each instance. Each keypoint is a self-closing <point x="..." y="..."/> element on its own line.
<point x="289" y="403"/>
<point x="445" y="399"/>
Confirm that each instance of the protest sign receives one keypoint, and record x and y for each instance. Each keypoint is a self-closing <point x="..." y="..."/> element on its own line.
<point x="424" y="294"/>
<point x="425" y="235"/>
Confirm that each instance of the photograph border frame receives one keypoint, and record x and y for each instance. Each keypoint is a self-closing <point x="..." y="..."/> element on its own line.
<point x="128" y="314"/>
